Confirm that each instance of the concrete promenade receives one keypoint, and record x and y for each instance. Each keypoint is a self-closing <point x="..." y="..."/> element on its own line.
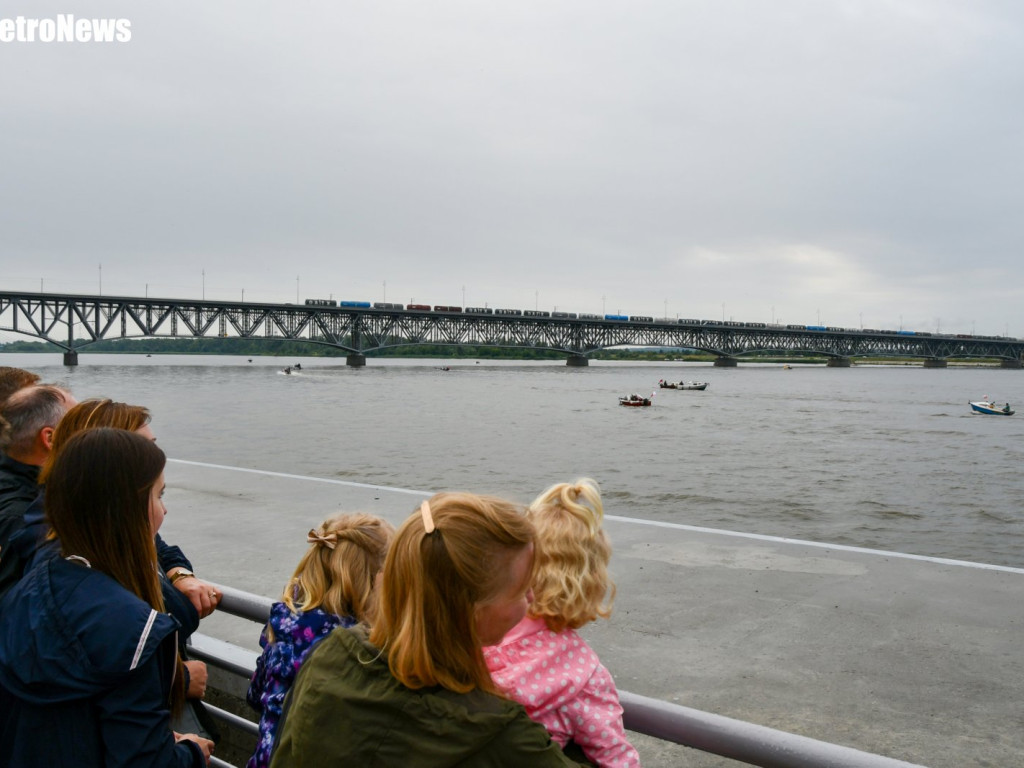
<point x="914" y="659"/>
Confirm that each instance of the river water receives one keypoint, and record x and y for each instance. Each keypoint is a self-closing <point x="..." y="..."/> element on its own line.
<point x="886" y="457"/>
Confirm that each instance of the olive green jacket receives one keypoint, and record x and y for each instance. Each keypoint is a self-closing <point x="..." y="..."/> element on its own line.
<point x="346" y="709"/>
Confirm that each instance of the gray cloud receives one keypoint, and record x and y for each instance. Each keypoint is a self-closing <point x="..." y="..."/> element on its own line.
<point x="857" y="160"/>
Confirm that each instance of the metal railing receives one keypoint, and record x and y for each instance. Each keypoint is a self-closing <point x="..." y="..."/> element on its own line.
<point x="734" y="739"/>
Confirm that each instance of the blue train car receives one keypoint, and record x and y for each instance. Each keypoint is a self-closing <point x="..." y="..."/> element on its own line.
<point x="619" y="318"/>
<point x="355" y="304"/>
<point x="906" y="333"/>
<point x="816" y="328"/>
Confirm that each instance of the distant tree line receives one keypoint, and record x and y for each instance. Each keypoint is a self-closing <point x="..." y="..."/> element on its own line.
<point x="288" y="348"/>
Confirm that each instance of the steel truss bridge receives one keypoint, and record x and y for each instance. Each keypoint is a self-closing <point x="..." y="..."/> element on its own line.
<point x="73" y="322"/>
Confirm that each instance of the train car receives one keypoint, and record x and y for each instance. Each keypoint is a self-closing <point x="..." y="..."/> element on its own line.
<point x="906" y="333"/>
<point x="796" y="327"/>
<point x="756" y="325"/>
<point x="443" y="308"/>
<point x="816" y="328"/>
<point x="479" y="311"/>
<point x="733" y="323"/>
<point x="321" y="303"/>
<point x="642" y="319"/>
<point x="355" y="304"/>
<point x="509" y="312"/>
<point x="834" y="328"/>
<point x="387" y="305"/>
<point x="418" y="307"/>
<point x="688" y="321"/>
<point x="587" y="316"/>
<point x="536" y="313"/>
<point x="618" y="318"/>
<point x="564" y="315"/>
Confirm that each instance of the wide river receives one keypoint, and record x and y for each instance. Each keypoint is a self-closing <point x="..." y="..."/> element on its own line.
<point x="880" y="457"/>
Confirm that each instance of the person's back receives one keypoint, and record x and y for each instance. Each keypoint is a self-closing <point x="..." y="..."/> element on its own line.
<point x="345" y="689"/>
<point x="416" y="690"/>
<point x="332" y="587"/>
<point x="88" y="656"/>
<point x="72" y="642"/>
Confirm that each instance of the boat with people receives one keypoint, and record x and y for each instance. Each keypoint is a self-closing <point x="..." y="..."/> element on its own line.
<point x="695" y="385"/>
<point x="635" y="400"/>
<point x="992" y="409"/>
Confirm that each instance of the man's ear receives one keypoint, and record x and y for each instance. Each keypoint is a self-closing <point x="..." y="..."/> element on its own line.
<point x="46" y="437"/>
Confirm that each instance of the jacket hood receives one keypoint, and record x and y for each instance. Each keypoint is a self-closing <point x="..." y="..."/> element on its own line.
<point x="68" y="631"/>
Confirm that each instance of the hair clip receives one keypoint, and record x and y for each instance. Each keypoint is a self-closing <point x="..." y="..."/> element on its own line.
<point x="428" y="519"/>
<point x="329" y="540"/>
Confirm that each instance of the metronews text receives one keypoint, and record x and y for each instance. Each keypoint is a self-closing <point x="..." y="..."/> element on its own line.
<point x="65" y="29"/>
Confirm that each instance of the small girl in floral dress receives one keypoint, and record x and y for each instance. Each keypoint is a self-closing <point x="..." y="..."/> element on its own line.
<point x="332" y="587"/>
<point x="542" y="662"/>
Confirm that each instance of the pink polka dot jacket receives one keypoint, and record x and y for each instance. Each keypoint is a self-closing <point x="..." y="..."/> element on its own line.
<point x="558" y="678"/>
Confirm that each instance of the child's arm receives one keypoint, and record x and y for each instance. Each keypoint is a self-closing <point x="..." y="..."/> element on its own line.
<point x="601" y="734"/>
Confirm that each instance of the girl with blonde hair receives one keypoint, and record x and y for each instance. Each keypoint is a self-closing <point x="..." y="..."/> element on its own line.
<point x="415" y="689"/>
<point x="333" y="586"/>
<point x="542" y="662"/>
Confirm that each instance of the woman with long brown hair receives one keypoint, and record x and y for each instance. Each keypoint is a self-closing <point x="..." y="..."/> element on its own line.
<point x="85" y="644"/>
<point x="415" y="690"/>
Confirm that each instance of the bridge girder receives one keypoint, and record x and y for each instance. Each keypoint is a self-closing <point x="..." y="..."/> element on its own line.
<point x="66" y="320"/>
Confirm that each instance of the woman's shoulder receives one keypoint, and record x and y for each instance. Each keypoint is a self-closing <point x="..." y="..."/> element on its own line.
<point x="113" y="625"/>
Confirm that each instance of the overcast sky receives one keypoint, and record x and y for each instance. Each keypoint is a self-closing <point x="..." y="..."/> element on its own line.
<point x="853" y="163"/>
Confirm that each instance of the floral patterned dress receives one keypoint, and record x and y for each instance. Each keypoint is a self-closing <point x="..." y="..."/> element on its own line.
<point x="295" y="635"/>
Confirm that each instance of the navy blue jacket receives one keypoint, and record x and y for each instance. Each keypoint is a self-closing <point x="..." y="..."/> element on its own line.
<point x="85" y="674"/>
<point x="18" y="488"/>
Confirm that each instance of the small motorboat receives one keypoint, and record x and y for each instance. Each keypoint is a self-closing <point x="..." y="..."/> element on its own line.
<point x="993" y="409"/>
<point x="635" y="401"/>
<point x="697" y="385"/>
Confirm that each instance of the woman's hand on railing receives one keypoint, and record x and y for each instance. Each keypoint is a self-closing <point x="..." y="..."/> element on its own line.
<point x="204" y="744"/>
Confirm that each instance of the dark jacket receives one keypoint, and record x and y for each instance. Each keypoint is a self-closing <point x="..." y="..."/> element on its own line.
<point x="346" y="709"/>
<point x="19" y="486"/>
<point x="85" y="673"/>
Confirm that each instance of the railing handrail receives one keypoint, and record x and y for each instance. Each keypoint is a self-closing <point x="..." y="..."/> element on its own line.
<point x="724" y="736"/>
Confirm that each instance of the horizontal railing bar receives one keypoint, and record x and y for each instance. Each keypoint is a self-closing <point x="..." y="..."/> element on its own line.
<point x="716" y="734"/>
<point x="740" y="740"/>
<point x="233" y="720"/>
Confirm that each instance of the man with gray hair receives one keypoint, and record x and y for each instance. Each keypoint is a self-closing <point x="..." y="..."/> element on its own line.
<point x="29" y="417"/>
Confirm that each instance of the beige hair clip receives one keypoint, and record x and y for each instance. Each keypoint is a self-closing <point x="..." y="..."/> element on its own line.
<point x="428" y="519"/>
<point x="329" y="540"/>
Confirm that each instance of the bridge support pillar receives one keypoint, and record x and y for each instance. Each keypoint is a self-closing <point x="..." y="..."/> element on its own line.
<point x="839" y="362"/>
<point x="71" y="357"/>
<point x="356" y="360"/>
<point x="577" y="361"/>
<point x="1014" y="364"/>
<point x="726" y="362"/>
<point x="934" y="362"/>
